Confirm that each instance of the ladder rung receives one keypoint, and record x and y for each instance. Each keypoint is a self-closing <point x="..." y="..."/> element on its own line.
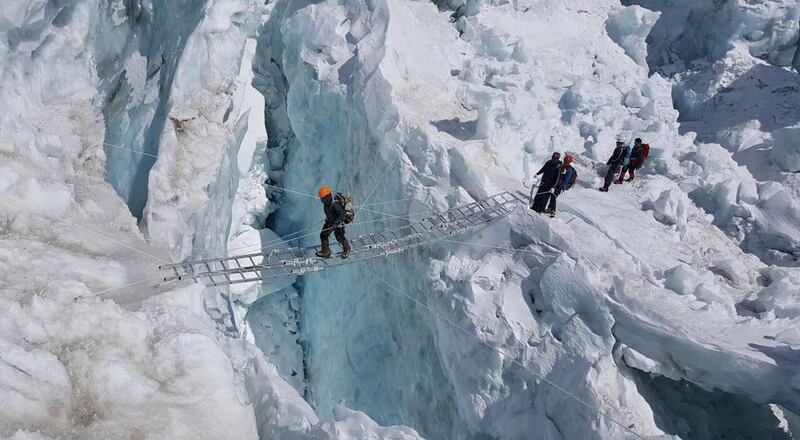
<point x="297" y="261"/>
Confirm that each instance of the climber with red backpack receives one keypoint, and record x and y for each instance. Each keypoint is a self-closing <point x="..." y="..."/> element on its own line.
<point x="567" y="176"/>
<point x="338" y="212"/>
<point x="639" y="154"/>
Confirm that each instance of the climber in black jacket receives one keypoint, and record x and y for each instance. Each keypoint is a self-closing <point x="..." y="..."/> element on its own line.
<point x="615" y="163"/>
<point x="335" y="219"/>
<point x="549" y="173"/>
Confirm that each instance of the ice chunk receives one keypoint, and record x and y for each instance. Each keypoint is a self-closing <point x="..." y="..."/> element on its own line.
<point x="779" y="222"/>
<point x="629" y="27"/>
<point x="670" y="208"/>
<point x="36" y="387"/>
<point x="681" y="279"/>
<point x="786" y="149"/>
<point x="641" y="362"/>
<point x="782" y="296"/>
<point x="732" y="269"/>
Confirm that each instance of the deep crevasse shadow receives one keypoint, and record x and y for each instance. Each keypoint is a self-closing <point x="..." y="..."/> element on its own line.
<point x="132" y="122"/>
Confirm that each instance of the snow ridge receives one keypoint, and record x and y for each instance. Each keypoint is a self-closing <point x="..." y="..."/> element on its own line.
<point x="668" y="305"/>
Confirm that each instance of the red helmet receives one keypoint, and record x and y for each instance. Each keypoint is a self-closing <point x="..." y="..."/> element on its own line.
<point x="568" y="159"/>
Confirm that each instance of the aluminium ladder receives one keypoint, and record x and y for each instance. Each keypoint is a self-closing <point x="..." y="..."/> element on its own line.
<point x="295" y="261"/>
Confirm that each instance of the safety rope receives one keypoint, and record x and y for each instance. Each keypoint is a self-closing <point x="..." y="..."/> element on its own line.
<point x="110" y="237"/>
<point x="508" y="356"/>
<point x="395" y="289"/>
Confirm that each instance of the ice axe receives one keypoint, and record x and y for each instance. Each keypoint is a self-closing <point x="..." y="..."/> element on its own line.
<point x="533" y="188"/>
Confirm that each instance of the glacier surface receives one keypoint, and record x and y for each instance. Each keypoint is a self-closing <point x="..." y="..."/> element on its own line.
<point x="146" y="131"/>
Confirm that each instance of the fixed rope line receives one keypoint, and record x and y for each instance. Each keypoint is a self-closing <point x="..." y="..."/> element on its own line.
<point x="278" y="242"/>
<point x="110" y="237"/>
<point x="279" y="239"/>
<point x="128" y="149"/>
<point x="291" y="191"/>
<point x="293" y="236"/>
<point x="359" y="206"/>
<point x="421" y="304"/>
<point x="375" y="187"/>
<point x="508" y="356"/>
<point x="387" y="202"/>
<point x="128" y="285"/>
<point x="299" y="260"/>
<point x="499" y="248"/>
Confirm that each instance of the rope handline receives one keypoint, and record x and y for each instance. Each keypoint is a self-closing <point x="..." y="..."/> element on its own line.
<point x="111" y="237"/>
<point x="128" y="149"/>
<point x="276" y="242"/>
<point x="387" y="202"/>
<point x="508" y="356"/>
<point x="126" y="285"/>
<point x="278" y="239"/>
<point x="375" y="187"/>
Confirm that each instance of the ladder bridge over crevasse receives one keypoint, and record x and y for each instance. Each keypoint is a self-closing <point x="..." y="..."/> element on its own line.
<point x="289" y="262"/>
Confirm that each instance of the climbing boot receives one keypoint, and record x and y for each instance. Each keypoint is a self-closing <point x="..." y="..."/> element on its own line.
<point x="603" y="189"/>
<point x="552" y="213"/>
<point x="325" y="251"/>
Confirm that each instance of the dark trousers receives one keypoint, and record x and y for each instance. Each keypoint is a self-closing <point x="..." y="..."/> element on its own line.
<point x="553" y="197"/>
<point x="338" y="232"/>
<point x="542" y="196"/>
<point x="613" y="169"/>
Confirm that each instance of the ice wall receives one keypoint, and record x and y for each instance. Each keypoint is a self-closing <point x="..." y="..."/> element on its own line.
<point x="394" y="103"/>
<point x="87" y="350"/>
<point x="90" y="347"/>
<point x="468" y="109"/>
<point x="729" y="64"/>
<point x="137" y="47"/>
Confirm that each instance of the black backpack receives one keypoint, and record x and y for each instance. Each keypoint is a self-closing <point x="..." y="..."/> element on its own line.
<point x="348" y="205"/>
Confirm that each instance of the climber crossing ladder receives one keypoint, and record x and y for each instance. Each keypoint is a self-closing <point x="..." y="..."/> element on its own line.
<point x="278" y="263"/>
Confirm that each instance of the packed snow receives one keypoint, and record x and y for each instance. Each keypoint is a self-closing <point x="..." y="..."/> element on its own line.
<point x="138" y="133"/>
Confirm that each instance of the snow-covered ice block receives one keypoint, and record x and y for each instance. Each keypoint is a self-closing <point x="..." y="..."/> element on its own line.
<point x="629" y="27"/>
<point x="782" y="296"/>
<point x="786" y="149"/>
<point x="670" y="208"/>
<point x="681" y="279"/>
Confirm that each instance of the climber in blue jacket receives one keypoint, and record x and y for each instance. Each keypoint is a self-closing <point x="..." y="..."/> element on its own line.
<point x="567" y="176"/>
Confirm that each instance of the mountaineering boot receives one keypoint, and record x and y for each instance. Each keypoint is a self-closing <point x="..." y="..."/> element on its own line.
<point x="346" y="251"/>
<point x="602" y="189"/>
<point x="325" y="251"/>
<point x="552" y="213"/>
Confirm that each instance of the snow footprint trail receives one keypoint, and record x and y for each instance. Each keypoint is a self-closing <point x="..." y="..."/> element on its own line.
<point x="695" y="335"/>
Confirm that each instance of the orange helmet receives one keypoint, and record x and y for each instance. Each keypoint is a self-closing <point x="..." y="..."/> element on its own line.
<point x="324" y="191"/>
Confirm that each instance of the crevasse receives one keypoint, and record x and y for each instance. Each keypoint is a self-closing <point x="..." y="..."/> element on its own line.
<point x="636" y="312"/>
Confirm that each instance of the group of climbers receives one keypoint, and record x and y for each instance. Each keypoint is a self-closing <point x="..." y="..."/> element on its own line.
<point x="625" y="160"/>
<point x="557" y="177"/>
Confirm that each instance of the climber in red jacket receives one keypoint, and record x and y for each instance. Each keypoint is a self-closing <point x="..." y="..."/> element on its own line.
<point x="639" y="154"/>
